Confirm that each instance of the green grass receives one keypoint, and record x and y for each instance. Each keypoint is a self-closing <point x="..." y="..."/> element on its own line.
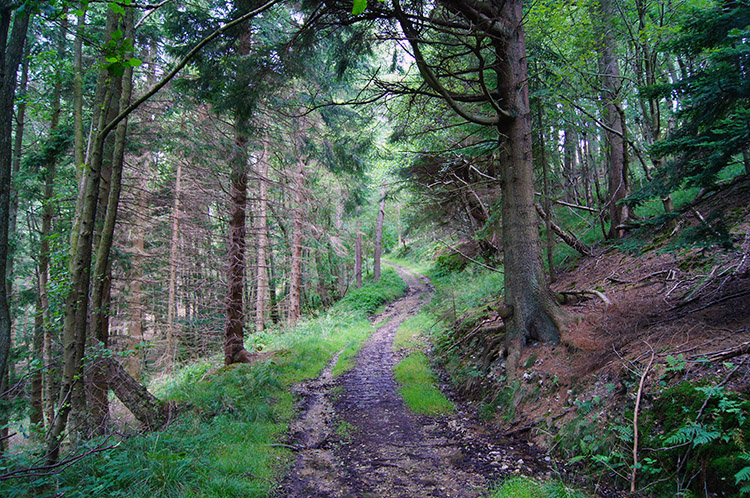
<point x="526" y="487"/>
<point x="423" y="265"/>
<point x="418" y="387"/>
<point x="411" y="333"/>
<point x="222" y="443"/>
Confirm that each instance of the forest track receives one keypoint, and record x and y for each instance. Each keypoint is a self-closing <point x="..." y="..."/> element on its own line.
<point x="357" y="439"/>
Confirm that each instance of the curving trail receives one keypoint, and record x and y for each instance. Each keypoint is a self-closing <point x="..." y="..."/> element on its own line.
<point x="358" y="439"/>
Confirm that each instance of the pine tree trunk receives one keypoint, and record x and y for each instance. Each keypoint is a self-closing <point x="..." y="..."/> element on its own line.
<point x="547" y="201"/>
<point x="36" y="394"/>
<point x="295" y="275"/>
<point x="535" y="314"/>
<point x="569" y="163"/>
<point x="170" y="351"/>
<point x="379" y="239"/>
<point x="262" y="301"/>
<point x="358" y="257"/>
<point x="11" y="49"/>
<point x="613" y="119"/>
<point x="137" y="249"/>
<point x="234" y="350"/>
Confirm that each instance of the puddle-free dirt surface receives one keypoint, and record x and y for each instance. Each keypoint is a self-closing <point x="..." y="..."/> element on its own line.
<point x="356" y="438"/>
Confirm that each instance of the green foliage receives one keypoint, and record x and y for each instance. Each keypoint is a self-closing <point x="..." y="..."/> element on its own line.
<point x="527" y="487"/>
<point x="714" y="108"/>
<point x="418" y="387"/>
<point x="369" y="297"/>
<point x="744" y="475"/>
<point x="465" y="293"/>
<point x="220" y="445"/>
<point x="697" y="434"/>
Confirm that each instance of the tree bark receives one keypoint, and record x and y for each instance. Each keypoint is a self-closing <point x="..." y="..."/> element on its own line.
<point x="11" y="49"/>
<point x="234" y="350"/>
<point x="379" y="238"/>
<point x="170" y="351"/>
<point x="358" y="257"/>
<point x="535" y="314"/>
<point x="613" y="119"/>
<point x="295" y="275"/>
<point x="262" y="299"/>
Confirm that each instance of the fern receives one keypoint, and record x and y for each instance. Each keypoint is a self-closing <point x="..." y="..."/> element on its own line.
<point x="695" y="433"/>
<point x="744" y="475"/>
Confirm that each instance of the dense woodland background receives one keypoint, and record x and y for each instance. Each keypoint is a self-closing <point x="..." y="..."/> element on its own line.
<point x="187" y="179"/>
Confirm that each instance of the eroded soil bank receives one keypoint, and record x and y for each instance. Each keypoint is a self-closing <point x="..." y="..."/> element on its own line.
<point x="356" y="438"/>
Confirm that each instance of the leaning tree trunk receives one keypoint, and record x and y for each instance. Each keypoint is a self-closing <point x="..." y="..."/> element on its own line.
<point x="144" y="406"/>
<point x="534" y="312"/>
<point x="99" y="387"/>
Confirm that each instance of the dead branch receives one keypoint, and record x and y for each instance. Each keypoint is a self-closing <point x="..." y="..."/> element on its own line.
<point x="470" y="258"/>
<point x="727" y="353"/>
<point x="635" y="421"/>
<point x="56" y="468"/>
<point x="485" y="326"/>
<point x="721" y="300"/>
<point x="580" y="293"/>
<point x="566" y="237"/>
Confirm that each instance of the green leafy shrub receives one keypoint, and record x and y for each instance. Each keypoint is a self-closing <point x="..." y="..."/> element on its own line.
<point x="369" y="297"/>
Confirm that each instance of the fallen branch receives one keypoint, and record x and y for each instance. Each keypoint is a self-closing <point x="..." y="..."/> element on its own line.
<point x="721" y="300"/>
<point x="56" y="468"/>
<point x="469" y="258"/>
<point x="635" y="422"/>
<point x="566" y="237"/>
<point x="482" y="327"/>
<point x="726" y="354"/>
<point x="580" y="293"/>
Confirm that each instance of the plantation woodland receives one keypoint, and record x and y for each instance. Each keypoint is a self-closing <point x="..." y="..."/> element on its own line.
<point x="398" y="248"/>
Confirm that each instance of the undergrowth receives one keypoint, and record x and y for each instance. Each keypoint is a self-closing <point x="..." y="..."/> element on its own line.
<point x="369" y="297"/>
<point x="526" y="487"/>
<point x="224" y="441"/>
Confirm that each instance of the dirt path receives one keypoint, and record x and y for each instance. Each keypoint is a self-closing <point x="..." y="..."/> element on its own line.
<point x="358" y="439"/>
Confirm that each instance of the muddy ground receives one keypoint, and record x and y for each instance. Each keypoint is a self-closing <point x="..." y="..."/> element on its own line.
<point x="356" y="438"/>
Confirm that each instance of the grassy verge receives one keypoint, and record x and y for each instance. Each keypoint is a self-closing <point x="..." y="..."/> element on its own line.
<point x="418" y="386"/>
<point x="526" y="487"/>
<point x="413" y="373"/>
<point x="224" y="441"/>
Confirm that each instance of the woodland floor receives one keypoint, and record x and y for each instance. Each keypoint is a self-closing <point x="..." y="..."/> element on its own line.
<point x="356" y="438"/>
